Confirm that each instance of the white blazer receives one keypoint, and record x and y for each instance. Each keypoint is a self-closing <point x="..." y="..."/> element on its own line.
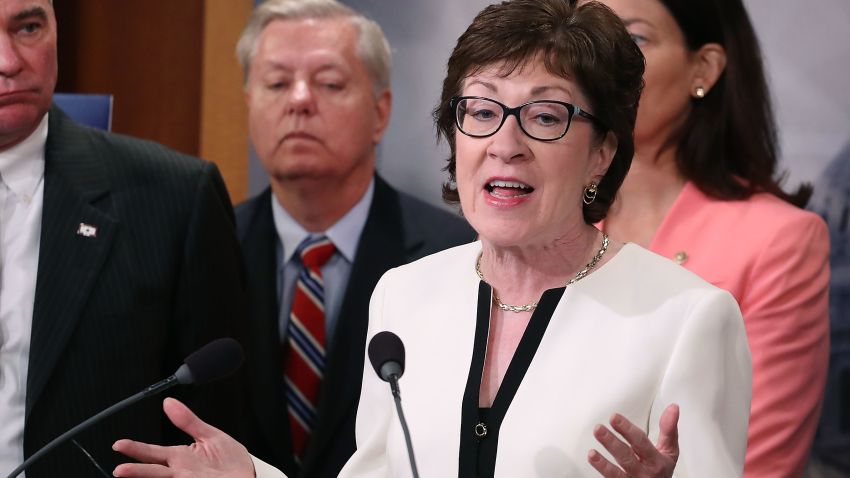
<point x="636" y="335"/>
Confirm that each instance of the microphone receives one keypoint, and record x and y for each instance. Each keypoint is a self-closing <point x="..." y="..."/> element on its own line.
<point x="386" y="353"/>
<point x="213" y="361"/>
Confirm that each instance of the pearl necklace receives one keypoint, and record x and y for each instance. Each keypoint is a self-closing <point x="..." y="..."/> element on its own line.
<point x="529" y="307"/>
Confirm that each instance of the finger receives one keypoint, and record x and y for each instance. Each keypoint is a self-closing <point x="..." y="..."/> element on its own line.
<point x="618" y="449"/>
<point x="640" y="443"/>
<point x="603" y="466"/>
<point x="668" y="436"/>
<point x="142" y="451"/>
<point x="137" y="470"/>
<point x="183" y="418"/>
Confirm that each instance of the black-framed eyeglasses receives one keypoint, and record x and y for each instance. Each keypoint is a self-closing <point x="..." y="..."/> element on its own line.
<point x="543" y="120"/>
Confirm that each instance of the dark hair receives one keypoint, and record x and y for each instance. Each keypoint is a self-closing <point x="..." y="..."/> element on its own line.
<point x="586" y="43"/>
<point x="728" y="145"/>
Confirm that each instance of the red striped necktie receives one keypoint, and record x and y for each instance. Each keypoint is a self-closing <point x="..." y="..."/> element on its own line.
<point x="304" y="351"/>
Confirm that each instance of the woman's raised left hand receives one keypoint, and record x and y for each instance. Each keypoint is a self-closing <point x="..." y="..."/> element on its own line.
<point x="637" y="457"/>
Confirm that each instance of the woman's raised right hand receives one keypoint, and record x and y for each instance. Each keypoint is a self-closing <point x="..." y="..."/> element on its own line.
<point x="213" y="454"/>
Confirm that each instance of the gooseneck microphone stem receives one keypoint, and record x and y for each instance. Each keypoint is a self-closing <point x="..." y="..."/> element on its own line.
<point x="386" y="352"/>
<point x="213" y="361"/>
<point x="152" y="390"/>
<point x="393" y="379"/>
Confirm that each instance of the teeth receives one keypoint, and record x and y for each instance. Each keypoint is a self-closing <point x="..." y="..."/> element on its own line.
<point x="508" y="184"/>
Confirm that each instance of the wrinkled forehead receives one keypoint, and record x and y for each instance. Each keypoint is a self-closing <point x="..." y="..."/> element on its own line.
<point x="531" y="77"/>
<point x="308" y="44"/>
<point x="308" y="34"/>
<point x="540" y="63"/>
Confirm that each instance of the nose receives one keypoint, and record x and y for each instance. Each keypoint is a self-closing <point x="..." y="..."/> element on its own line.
<point x="508" y="144"/>
<point x="10" y="59"/>
<point x="301" y="99"/>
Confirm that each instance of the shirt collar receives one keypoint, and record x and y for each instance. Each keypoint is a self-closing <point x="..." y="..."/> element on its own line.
<point x="22" y="166"/>
<point x="345" y="233"/>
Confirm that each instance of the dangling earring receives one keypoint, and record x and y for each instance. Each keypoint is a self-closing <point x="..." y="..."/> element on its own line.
<point x="590" y="193"/>
<point x="699" y="92"/>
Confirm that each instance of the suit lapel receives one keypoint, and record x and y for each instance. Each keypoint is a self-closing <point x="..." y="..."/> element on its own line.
<point x="258" y="246"/>
<point x="383" y="245"/>
<point x="76" y="192"/>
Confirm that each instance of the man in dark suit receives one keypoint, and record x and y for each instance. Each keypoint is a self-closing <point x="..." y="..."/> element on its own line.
<point x="317" y="88"/>
<point x="119" y="258"/>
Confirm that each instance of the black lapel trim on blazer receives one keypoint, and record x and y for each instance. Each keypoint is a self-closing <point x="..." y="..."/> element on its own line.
<point x="468" y="453"/>
<point x="76" y="191"/>
<point x="258" y="238"/>
<point x="478" y="456"/>
<point x="383" y="245"/>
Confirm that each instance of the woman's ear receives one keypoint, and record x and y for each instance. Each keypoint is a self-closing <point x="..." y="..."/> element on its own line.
<point x="603" y="155"/>
<point x="709" y="63"/>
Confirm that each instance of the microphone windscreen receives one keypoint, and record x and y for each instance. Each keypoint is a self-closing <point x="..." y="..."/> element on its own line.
<point x="386" y="347"/>
<point x="215" y="360"/>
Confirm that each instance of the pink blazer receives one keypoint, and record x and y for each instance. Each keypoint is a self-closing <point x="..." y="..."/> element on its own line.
<point x="774" y="258"/>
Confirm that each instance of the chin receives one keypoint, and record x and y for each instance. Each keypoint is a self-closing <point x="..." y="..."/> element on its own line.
<point x="19" y="125"/>
<point x="20" y="117"/>
<point x="296" y="167"/>
<point x="299" y="174"/>
<point x="500" y="236"/>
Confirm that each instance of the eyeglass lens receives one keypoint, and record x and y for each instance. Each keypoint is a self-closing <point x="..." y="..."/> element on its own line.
<point x="542" y="120"/>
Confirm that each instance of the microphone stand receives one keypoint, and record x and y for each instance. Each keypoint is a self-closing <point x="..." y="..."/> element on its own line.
<point x="393" y="379"/>
<point x="152" y="390"/>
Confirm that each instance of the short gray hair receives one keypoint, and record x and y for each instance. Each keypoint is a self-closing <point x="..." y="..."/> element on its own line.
<point x="372" y="46"/>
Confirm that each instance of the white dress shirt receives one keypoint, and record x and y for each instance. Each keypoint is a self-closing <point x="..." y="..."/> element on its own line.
<point x="344" y="234"/>
<point x="21" y="204"/>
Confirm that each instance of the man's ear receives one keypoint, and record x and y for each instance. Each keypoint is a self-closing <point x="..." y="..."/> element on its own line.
<point x="246" y="94"/>
<point x="383" y="108"/>
<point x="709" y="63"/>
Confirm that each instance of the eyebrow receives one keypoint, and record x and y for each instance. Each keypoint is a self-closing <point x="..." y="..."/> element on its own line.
<point x="273" y="65"/>
<point x="631" y="21"/>
<point x="485" y="84"/>
<point x="332" y="66"/>
<point x="537" y="90"/>
<point x="34" y="12"/>
<point x="278" y="65"/>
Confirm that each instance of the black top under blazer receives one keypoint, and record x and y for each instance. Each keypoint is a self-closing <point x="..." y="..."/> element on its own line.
<point x="119" y="311"/>
<point x="398" y="230"/>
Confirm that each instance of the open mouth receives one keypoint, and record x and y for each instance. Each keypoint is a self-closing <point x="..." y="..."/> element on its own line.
<point x="508" y="189"/>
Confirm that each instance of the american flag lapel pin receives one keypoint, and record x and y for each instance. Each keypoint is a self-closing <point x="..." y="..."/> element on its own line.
<point x="87" y="230"/>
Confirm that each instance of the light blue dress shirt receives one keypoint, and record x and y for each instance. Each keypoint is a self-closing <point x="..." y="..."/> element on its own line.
<point x="345" y="235"/>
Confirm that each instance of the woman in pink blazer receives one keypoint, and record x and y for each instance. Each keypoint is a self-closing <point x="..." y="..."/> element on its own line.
<point x="703" y="191"/>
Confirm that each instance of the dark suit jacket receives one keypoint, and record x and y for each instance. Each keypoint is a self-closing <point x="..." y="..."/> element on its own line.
<point x="118" y="311"/>
<point x="399" y="229"/>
